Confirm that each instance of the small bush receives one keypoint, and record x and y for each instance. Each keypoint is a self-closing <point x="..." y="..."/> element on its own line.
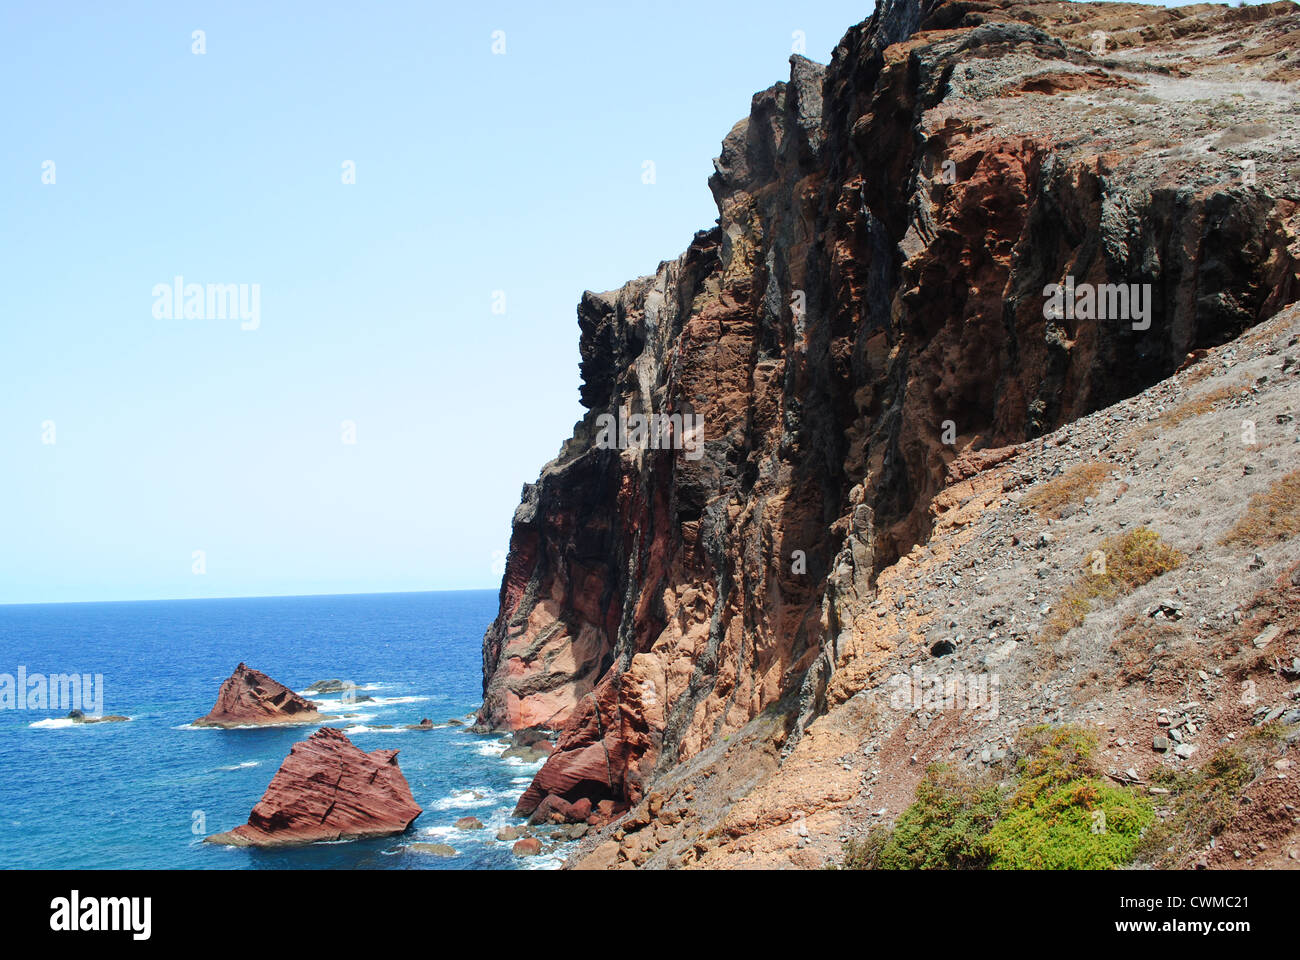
<point x="1083" y="825"/>
<point x="1072" y="487"/>
<point x="1202" y="803"/>
<point x="1062" y="817"/>
<point x="945" y="826"/>
<point x="1270" y="516"/>
<point x="1135" y="558"/>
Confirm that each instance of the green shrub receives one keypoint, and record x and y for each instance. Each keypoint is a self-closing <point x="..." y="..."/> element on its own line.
<point x="1057" y="814"/>
<point x="1084" y="825"/>
<point x="945" y="826"/>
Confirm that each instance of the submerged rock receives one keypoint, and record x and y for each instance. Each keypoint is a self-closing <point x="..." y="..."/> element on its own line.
<point x="328" y="789"/>
<point x="433" y="849"/>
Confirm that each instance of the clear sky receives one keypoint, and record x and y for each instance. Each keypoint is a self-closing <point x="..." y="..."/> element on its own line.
<point x="475" y="172"/>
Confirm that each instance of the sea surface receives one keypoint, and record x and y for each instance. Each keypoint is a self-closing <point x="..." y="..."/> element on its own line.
<point x="142" y="794"/>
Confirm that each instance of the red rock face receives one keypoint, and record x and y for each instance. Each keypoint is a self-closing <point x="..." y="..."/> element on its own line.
<point x="250" y="697"/>
<point x="328" y="789"/>
<point x="870" y="310"/>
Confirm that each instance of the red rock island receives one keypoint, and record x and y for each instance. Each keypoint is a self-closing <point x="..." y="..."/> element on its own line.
<point x="328" y="789"/>
<point x="249" y="697"/>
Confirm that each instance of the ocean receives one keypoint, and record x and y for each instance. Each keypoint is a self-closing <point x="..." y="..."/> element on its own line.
<point x="142" y="794"/>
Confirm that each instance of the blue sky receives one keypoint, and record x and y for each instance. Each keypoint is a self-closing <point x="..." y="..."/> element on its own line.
<point x="475" y="172"/>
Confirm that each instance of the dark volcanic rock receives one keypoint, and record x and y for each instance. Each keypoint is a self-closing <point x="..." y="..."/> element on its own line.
<point x="250" y="697"/>
<point x="870" y="311"/>
<point x="328" y="789"/>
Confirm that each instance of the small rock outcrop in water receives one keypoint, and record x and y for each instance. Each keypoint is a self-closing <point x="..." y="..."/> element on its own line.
<point x="328" y="789"/>
<point x="327" y="686"/>
<point x="76" y="716"/>
<point x="249" y="697"/>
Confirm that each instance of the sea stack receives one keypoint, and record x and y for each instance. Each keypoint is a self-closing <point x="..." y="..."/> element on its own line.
<point x="251" y="698"/>
<point x="327" y="788"/>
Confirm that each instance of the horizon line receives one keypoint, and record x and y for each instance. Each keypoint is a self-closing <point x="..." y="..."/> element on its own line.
<point x="260" y="596"/>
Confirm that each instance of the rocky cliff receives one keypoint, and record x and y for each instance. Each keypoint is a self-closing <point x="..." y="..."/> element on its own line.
<point x="982" y="221"/>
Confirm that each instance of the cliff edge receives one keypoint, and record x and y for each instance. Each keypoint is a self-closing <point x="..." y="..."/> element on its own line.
<point x="980" y="223"/>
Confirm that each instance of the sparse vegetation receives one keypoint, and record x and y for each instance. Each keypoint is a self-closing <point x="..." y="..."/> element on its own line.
<point x="1149" y="650"/>
<point x="1070" y="489"/>
<point x="1129" y="560"/>
<point x="1193" y="407"/>
<point x="1055" y="814"/>
<point x="1242" y="133"/>
<point x="1270" y="516"/>
<point x="1201" y="803"/>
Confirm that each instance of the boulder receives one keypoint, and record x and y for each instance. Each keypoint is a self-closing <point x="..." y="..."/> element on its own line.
<point x="328" y="789"/>
<point x="527" y="847"/>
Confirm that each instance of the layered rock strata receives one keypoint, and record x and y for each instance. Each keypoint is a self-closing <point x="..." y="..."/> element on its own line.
<point x="328" y="789"/>
<point x="980" y="222"/>
<point x="250" y="698"/>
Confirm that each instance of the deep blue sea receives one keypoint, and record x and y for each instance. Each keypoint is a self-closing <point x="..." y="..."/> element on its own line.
<point x="143" y="793"/>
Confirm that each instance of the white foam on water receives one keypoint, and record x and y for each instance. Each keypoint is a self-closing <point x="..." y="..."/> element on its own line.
<point x="543" y="861"/>
<point x="362" y="728"/>
<point x="248" y="726"/>
<point x="242" y="766"/>
<point x="355" y="720"/>
<point x="488" y="748"/>
<point x="443" y="834"/>
<point x="472" y="798"/>
<point x="532" y="765"/>
<point x="52" y="723"/>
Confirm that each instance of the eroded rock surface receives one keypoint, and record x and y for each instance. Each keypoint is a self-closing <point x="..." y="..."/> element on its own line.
<point x="867" y="324"/>
<point x="328" y="789"/>
<point x="250" y="698"/>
